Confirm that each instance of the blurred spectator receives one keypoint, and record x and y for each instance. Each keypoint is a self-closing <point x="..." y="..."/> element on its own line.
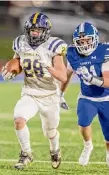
<point x="99" y="8"/>
<point x="65" y="15"/>
<point x="21" y="3"/>
<point x="4" y="3"/>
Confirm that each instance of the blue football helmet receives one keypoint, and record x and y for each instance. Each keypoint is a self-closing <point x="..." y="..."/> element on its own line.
<point x="85" y="38"/>
<point x="40" y="24"/>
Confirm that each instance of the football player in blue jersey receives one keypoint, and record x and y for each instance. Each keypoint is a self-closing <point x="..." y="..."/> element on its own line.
<point x="89" y="59"/>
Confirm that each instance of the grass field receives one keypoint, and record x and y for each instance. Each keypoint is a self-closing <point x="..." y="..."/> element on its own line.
<point x="71" y="142"/>
<point x="6" y="51"/>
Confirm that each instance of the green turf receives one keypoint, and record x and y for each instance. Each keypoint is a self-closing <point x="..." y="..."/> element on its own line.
<point x="6" y="51"/>
<point x="70" y="141"/>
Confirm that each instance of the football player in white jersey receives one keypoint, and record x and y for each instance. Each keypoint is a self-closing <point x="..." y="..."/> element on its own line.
<point x="41" y="59"/>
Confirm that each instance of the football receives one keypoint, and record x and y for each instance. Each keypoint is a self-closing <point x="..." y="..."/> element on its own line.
<point x="14" y="66"/>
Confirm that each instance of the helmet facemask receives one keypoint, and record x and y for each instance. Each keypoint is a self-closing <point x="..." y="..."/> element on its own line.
<point x="85" y="45"/>
<point x="36" y="36"/>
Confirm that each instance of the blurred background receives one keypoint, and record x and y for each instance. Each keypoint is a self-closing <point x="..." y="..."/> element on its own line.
<point x="64" y="15"/>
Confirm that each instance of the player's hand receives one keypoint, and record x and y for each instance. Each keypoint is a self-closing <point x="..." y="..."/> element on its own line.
<point x="85" y="74"/>
<point x="63" y="103"/>
<point x="7" y="75"/>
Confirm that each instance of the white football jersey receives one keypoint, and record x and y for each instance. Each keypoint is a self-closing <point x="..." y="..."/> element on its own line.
<point x="38" y="81"/>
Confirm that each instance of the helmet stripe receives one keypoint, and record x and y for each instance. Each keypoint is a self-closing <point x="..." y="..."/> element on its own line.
<point x="35" y="17"/>
<point x="81" y="28"/>
<point x="49" y="22"/>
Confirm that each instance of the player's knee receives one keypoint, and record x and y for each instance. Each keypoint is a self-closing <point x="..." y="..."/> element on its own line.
<point x="19" y="123"/>
<point x="50" y="133"/>
<point x="83" y="123"/>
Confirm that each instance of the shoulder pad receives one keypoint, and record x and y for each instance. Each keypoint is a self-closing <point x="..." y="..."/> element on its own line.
<point x="70" y="50"/>
<point x="57" y="45"/>
<point x="71" y="54"/>
<point x="106" y="53"/>
<point x="106" y="43"/>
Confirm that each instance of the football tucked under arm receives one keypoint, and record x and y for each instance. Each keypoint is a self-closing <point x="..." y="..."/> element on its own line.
<point x="11" y="69"/>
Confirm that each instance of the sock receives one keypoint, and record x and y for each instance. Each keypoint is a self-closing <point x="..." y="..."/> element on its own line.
<point x="88" y="143"/>
<point x="54" y="143"/>
<point x="24" y="139"/>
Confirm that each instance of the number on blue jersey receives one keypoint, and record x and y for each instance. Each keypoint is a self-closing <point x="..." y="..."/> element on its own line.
<point x="92" y="71"/>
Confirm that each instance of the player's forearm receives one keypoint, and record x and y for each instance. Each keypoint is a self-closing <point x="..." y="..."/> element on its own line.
<point x="65" y="85"/>
<point x="105" y="79"/>
<point x="100" y="81"/>
<point x="60" y="75"/>
<point x="105" y="82"/>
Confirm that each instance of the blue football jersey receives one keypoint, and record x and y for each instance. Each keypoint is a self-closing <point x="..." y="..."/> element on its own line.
<point x="93" y="63"/>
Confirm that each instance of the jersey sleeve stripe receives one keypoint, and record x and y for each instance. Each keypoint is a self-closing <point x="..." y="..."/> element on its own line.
<point x="57" y="45"/>
<point x="51" y="44"/>
<point x="16" y="43"/>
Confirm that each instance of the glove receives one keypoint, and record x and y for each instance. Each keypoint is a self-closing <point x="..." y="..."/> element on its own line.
<point x="7" y="75"/>
<point x="85" y="75"/>
<point x="63" y="103"/>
